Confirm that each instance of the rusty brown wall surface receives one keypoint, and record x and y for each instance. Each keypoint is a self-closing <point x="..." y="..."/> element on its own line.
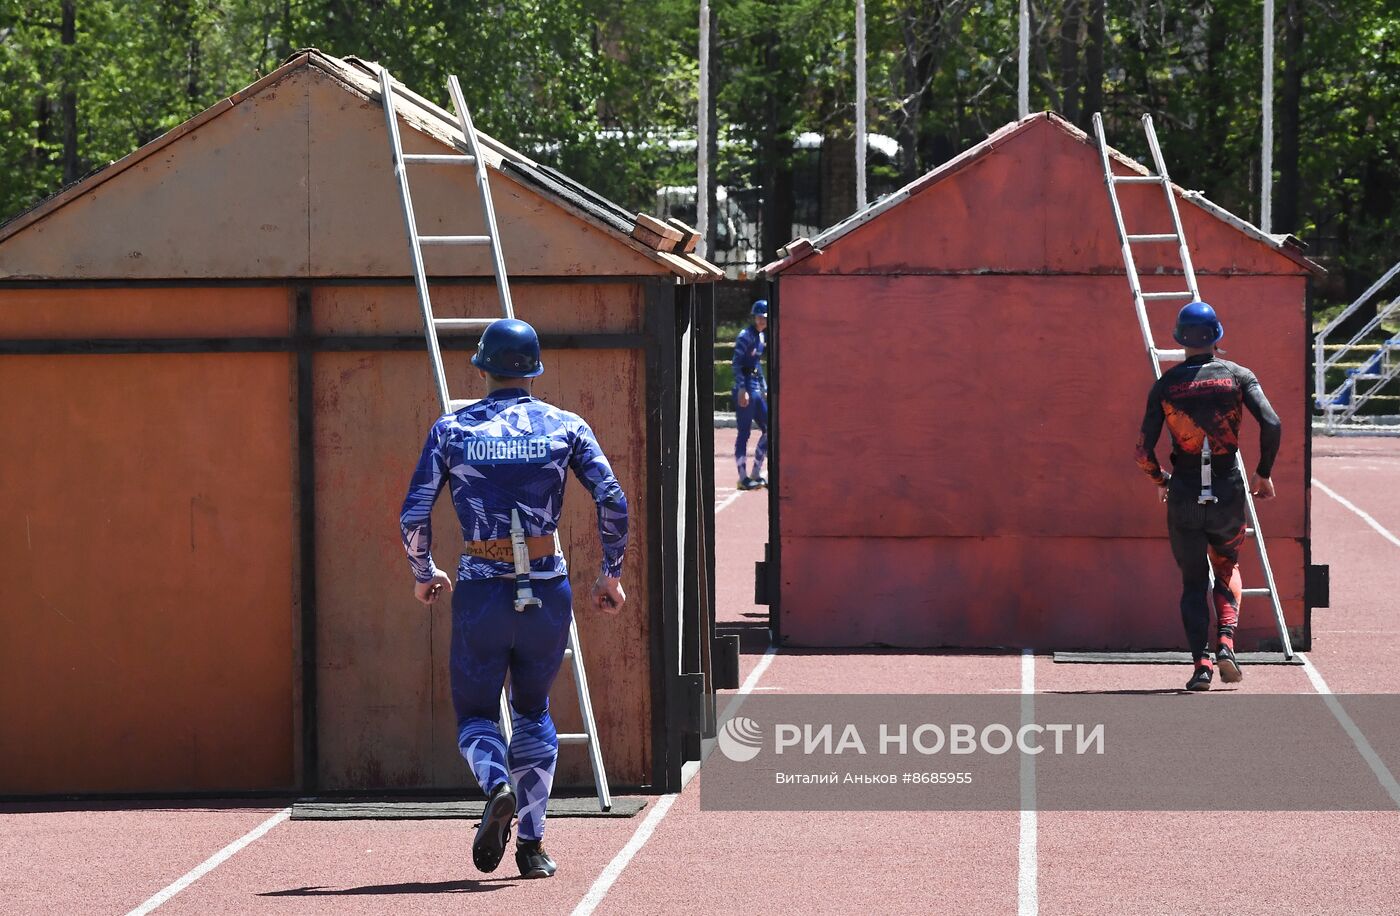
<point x="146" y="550"/>
<point x="1037" y="204"/>
<point x="556" y="308"/>
<point x="1039" y="592"/>
<point x="384" y="700"/>
<point x="295" y="181"/>
<point x="355" y="224"/>
<point x="228" y="199"/>
<point x="1002" y="413"/>
<point x="1004" y="405"/>
<point x="135" y="312"/>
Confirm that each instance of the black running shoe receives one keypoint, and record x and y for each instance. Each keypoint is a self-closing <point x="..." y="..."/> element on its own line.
<point x="533" y="861"/>
<point x="759" y="481"/>
<point x="1229" y="666"/>
<point x="748" y="483"/>
<point x="1200" y="680"/>
<point x="494" y="832"/>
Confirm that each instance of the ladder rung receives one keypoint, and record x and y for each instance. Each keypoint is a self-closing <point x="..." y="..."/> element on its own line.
<point x="1248" y="532"/>
<point x="1137" y="179"/>
<point x="573" y="739"/>
<point x="1170" y="354"/>
<point x="1154" y="237"/>
<point x="1183" y="295"/>
<point x="454" y="240"/>
<point x="463" y="324"/>
<point x="1256" y="592"/>
<point x="439" y="159"/>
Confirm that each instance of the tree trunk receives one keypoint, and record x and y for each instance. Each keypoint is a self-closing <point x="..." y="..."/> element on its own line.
<point x="1071" y="86"/>
<point x="910" y="164"/>
<point x="775" y="161"/>
<point x="1214" y="173"/>
<point x="43" y="133"/>
<point x="1286" y="195"/>
<point x="838" y="178"/>
<point x="776" y="179"/>
<point x="1093" y="64"/>
<point x="68" y="37"/>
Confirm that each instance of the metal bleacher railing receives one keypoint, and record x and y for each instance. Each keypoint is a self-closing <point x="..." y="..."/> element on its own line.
<point x="1357" y="383"/>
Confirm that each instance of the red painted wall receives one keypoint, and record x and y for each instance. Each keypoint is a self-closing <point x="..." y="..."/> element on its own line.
<point x="957" y="448"/>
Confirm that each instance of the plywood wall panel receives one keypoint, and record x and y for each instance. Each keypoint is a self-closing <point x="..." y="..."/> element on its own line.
<point x="356" y="223"/>
<point x="228" y="199"/>
<point x="295" y="181"/>
<point x="386" y="716"/>
<point x="1043" y="593"/>
<point x="979" y="406"/>
<point x="146" y="549"/>
<point x="1037" y="204"/>
<point x="135" y="312"/>
<point x="555" y="308"/>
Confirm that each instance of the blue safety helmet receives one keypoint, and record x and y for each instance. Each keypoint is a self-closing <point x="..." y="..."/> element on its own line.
<point x="760" y="308"/>
<point x="1197" y="326"/>
<point x="509" y="348"/>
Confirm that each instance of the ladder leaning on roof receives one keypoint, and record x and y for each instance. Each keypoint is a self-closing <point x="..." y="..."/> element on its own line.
<point x="432" y="324"/>
<point x="1190" y="294"/>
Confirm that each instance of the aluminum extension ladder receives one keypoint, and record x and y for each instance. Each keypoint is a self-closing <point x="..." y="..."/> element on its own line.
<point x="432" y="324"/>
<point x="1191" y="294"/>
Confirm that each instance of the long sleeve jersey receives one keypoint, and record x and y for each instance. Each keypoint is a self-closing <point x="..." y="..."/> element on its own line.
<point x="1203" y="397"/>
<point x="510" y="451"/>
<point x="748" y="361"/>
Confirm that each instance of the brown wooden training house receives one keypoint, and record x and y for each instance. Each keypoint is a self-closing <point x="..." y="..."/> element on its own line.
<point x="958" y="384"/>
<point x="215" y="387"/>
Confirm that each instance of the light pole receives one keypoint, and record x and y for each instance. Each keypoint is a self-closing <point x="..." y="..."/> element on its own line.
<point x="1023" y="76"/>
<point x="1266" y="158"/>
<point x="861" y="199"/>
<point x="702" y="136"/>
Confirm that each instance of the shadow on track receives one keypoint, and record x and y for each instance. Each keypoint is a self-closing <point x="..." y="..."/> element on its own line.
<point x="461" y="886"/>
<point x="1147" y="691"/>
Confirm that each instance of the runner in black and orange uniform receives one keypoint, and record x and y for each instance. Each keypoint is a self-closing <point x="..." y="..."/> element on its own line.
<point x="1203" y="399"/>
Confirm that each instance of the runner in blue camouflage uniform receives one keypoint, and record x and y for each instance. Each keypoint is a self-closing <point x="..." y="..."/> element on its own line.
<point x="510" y="451"/>
<point x="750" y="396"/>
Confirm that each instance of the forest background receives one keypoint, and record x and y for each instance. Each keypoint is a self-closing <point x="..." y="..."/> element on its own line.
<point x="606" y="91"/>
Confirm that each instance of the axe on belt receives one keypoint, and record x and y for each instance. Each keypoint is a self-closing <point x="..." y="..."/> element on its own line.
<point x="1207" y="492"/>
<point x="524" y="595"/>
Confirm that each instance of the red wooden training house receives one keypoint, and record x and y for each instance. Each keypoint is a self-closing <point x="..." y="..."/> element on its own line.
<point x="959" y="381"/>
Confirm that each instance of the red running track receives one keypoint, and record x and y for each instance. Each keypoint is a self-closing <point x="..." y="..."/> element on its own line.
<point x="108" y="859"/>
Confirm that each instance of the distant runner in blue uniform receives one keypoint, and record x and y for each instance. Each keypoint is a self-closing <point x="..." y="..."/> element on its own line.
<point x="509" y="453"/>
<point x="751" y="396"/>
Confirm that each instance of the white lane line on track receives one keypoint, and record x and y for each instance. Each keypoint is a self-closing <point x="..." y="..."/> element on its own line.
<point x="605" y="881"/>
<point x="211" y="863"/>
<point x="609" y="876"/>
<point x="727" y="501"/>
<point x="1380" y="529"/>
<point x="1027" y="884"/>
<point x="1368" y="753"/>
<point x="750" y="684"/>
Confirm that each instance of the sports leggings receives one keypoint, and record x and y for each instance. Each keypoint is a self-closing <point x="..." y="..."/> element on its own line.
<point x="1206" y="537"/>
<point x="489" y="638"/>
<point x="755" y="413"/>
